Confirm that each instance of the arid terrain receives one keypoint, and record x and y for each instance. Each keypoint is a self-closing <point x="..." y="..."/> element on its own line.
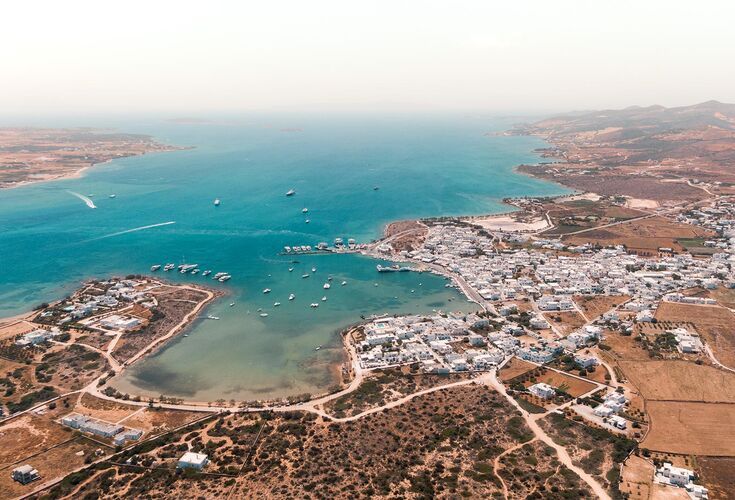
<point x="34" y="155"/>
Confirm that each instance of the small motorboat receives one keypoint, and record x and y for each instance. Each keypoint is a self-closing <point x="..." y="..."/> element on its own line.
<point x="276" y="304"/>
<point x="263" y="315"/>
<point x="291" y="297"/>
<point x="267" y="290"/>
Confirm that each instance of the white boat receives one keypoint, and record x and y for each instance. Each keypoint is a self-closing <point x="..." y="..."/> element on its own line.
<point x="112" y="196"/>
<point x="307" y="221"/>
<point x="156" y="267"/>
<point x="267" y="290"/>
<point x="304" y="275"/>
<point x="206" y="273"/>
<point x="324" y="299"/>
<point x="212" y="317"/>
<point x="313" y="269"/>
<point x="304" y="210"/>
<point x="218" y="276"/>
<point x="263" y="315"/>
<point x="344" y="283"/>
<point x="186" y="335"/>
<point x="195" y="270"/>
<point x="276" y="304"/>
<point x="317" y="348"/>
<point x="225" y="278"/>
<point x="291" y="297"/>
<point x="290" y="192"/>
<point x="232" y="304"/>
<point x="217" y="202"/>
<point x="327" y="286"/>
<point x="168" y="267"/>
<point x="314" y="304"/>
<point x="290" y="269"/>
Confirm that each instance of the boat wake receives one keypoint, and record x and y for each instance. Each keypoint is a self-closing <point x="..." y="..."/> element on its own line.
<point x="135" y="229"/>
<point x="86" y="200"/>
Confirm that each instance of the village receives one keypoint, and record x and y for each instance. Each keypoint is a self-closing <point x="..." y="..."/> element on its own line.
<point x="554" y="330"/>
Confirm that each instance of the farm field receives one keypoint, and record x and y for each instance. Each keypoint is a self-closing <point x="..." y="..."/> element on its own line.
<point x="717" y="475"/>
<point x="637" y="478"/>
<point x="565" y="321"/>
<point x="109" y="411"/>
<point x="595" y="306"/>
<point x="701" y="428"/>
<point x="644" y="236"/>
<point x="680" y="381"/>
<point x="514" y="368"/>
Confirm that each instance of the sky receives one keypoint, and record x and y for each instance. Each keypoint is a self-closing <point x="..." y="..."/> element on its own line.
<point x="184" y="57"/>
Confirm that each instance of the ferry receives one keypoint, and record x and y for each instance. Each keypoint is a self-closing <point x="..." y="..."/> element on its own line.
<point x="156" y="267"/>
<point x="291" y="192"/>
<point x="217" y="202"/>
<point x="327" y="286"/>
<point x="267" y="290"/>
<point x="291" y="297"/>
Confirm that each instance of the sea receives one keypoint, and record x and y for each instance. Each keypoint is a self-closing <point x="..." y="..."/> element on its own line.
<point x="422" y="165"/>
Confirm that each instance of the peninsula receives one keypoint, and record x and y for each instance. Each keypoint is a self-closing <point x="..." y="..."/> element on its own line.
<point x="30" y="155"/>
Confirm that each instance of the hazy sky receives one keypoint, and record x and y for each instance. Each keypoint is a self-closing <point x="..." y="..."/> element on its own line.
<point x="512" y="56"/>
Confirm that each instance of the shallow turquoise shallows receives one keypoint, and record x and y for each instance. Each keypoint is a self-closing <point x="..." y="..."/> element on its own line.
<point x="424" y="166"/>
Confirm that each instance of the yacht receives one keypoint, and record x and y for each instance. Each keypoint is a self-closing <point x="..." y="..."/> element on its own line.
<point x="225" y="278"/>
<point x="218" y="276"/>
<point x="267" y="290"/>
<point x="327" y="286"/>
<point x="195" y="270"/>
<point x="217" y="202"/>
<point x="276" y="304"/>
<point x="263" y="315"/>
<point x="290" y="192"/>
<point x="156" y="267"/>
<point x="206" y="273"/>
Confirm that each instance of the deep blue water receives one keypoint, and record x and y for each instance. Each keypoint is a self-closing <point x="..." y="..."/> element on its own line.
<point x="424" y="166"/>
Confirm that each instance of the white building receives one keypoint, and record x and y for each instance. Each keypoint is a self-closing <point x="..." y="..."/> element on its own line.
<point x="542" y="390"/>
<point x="192" y="460"/>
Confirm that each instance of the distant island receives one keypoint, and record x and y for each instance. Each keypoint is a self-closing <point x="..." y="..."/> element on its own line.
<point x="30" y="155"/>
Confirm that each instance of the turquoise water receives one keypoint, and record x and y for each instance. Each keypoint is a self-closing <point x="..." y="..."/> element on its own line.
<point x="425" y="166"/>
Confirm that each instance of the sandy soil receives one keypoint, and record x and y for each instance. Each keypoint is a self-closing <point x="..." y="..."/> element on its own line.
<point x="508" y="223"/>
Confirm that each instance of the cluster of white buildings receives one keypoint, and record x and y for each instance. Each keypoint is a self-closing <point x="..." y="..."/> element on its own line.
<point x="614" y="402"/>
<point x="119" y="434"/>
<point x="100" y="298"/>
<point x="441" y="344"/>
<point x="681" y="478"/>
<point x="37" y="336"/>
<point x="687" y="342"/>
